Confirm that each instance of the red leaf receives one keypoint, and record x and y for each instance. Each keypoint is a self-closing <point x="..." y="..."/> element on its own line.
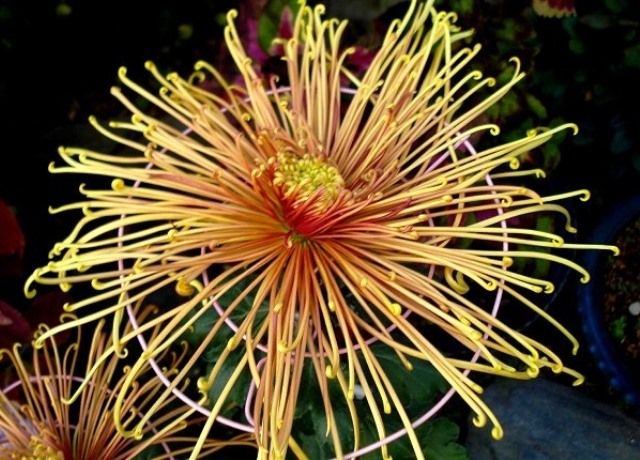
<point x="361" y="59"/>
<point x="11" y="237"/>
<point x="13" y="326"/>
<point x="285" y="28"/>
<point x="11" y="242"/>
<point x="47" y="308"/>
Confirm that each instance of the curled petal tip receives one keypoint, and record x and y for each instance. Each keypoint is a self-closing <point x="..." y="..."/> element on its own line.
<point x="30" y="293"/>
<point x="479" y="420"/>
<point x="533" y="371"/>
<point x="574" y="128"/>
<point x="202" y="383"/>
<point x="137" y="433"/>
<point x="329" y="372"/>
<point x="491" y="285"/>
<point x="117" y="185"/>
<point x="497" y="432"/>
<point x="557" y="368"/>
<point x="476" y="75"/>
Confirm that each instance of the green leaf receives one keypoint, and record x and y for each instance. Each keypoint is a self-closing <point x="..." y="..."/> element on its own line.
<point x="237" y="396"/>
<point x="439" y="437"/>
<point x="418" y="387"/>
<point x="185" y="31"/>
<point x="5" y="12"/>
<point x="543" y="266"/>
<point x="551" y="155"/>
<point x="632" y="56"/>
<point x="63" y="9"/>
<point x="461" y="6"/>
<point x="507" y="106"/>
<point x="509" y="30"/>
<point x="197" y="334"/>
<point x="545" y="224"/>
<point x="615" y="6"/>
<point x="201" y="327"/>
<point x="149" y="453"/>
<point x="269" y="22"/>
<point x="576" y="45"/>
<point x="536" y="106"/>
<point x="597" y="21"/>
<point x="618" y="327"/>
<point x="310" y="421"/>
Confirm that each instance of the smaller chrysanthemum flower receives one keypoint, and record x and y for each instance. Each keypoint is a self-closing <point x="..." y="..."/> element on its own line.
<point x="41" y="419"/>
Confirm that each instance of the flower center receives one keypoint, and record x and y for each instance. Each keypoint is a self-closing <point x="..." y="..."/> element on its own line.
<point x="308" y="176"/>
<point x="38" y="450"/>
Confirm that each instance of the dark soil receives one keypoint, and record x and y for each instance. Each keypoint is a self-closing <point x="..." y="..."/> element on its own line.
<point x="621" y="289"/>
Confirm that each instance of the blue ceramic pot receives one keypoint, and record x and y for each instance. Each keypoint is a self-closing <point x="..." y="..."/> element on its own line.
<point x="603" y="348"/>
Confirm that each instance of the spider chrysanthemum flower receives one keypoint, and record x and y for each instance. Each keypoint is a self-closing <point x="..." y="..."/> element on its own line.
<point x="335" y="199"/>
<point x="39" y="420"/>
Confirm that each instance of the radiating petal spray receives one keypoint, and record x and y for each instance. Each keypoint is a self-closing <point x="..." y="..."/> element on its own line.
<point x="339" y="201"/>
<point x="62" y="404"/>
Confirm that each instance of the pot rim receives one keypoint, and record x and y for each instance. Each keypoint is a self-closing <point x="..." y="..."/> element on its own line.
<point x="601" y="346"/>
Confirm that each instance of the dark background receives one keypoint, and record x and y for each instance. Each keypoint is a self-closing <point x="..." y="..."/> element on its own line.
<point x="57" y="65"/>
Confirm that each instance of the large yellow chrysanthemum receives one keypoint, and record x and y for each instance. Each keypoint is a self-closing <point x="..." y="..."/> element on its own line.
<point x="336" y="200"/>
